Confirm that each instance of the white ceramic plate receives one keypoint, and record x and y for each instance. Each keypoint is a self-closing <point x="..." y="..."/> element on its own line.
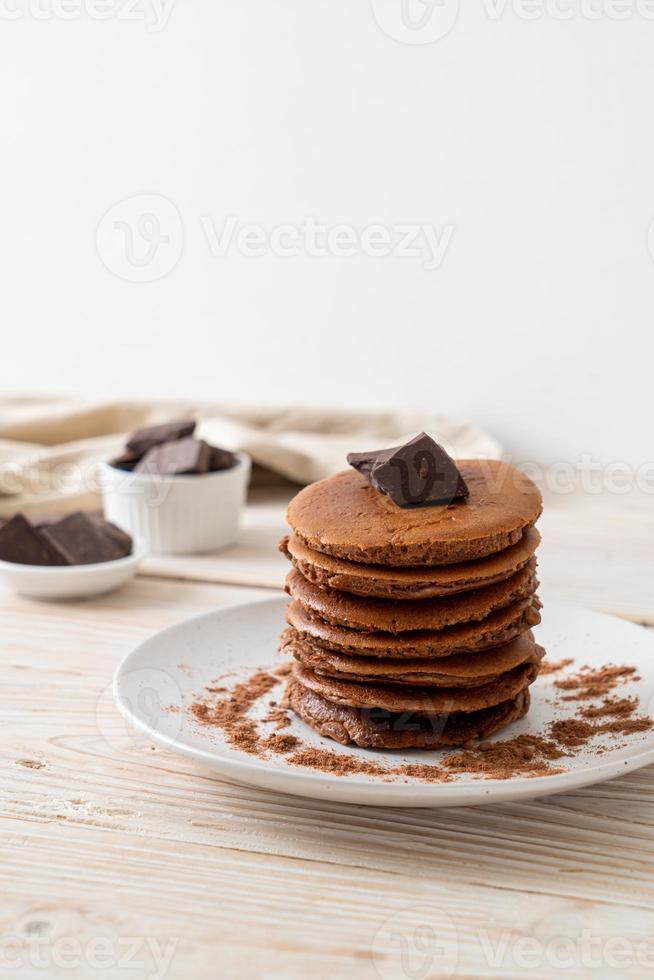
<point x="155" y="685"/>
<point x="71" y="581"/>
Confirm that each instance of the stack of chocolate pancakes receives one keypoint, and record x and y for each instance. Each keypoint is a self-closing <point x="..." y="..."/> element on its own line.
<point x="411" y="612"/>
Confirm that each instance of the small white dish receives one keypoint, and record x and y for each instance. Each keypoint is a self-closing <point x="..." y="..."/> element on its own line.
<point x="178" y="514"/>
<point x="155" y="686"/>
<point x="71" y="581"/>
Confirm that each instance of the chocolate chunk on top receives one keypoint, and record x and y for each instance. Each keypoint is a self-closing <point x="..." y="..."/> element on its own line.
<point x="24" y="544"/>
<point x="418" y="474"/>
<point x="83" y="540"/>
<point x="155" y="435"/>
<point x="183" y="456"/>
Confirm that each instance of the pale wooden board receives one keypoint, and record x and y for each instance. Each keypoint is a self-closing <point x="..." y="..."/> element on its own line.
<point x="598" y="552"/>
<point x="105" y="835"/>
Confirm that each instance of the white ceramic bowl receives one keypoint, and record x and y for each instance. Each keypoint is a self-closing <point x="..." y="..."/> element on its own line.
<point x="71" y="581"/>
<point x="177" y="514"/>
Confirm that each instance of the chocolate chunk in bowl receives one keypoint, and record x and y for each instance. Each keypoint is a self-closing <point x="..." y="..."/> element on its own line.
<point x="155" y="435"/>
<point x="22" y="543"/>
<point x="85" y="541"/>
<point x="177" y="458"/>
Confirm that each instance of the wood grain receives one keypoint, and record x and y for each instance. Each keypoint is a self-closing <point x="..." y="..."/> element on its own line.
<point x="105" y="836"/>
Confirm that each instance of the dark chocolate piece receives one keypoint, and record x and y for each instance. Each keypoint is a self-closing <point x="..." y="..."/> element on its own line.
<point x="82" y="540"/>
<point x="120" y="537"/>
<point x="221" y="459"/>
<point x="126" y="461"/>
<point x="155" y="435"/>
<point x="177" y="458"/>
<point x="418" y="474"/>
<point x="26" y="545"/>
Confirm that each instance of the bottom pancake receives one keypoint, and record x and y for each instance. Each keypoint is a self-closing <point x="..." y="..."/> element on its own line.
<point x="374" y="729"/>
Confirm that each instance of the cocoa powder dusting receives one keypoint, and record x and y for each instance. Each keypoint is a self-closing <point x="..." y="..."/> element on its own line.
<point x="594" y="682"/>
<point x="523" y="755"/>
<point x="230" y="714"/>
<point x="611" y="706"/>
<point x="571" y="732"/>
<point x="553" y="666"/>
<point x="280" y="743"/>
<point x="336" y="763"/>
<point x="279" y="717"/>
<point x="424" y="772"/>
<point x="574" y="732"/>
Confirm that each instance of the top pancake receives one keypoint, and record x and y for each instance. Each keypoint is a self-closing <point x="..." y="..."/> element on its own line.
<point x="424" y="582"/>
<point x="345" y="517"/>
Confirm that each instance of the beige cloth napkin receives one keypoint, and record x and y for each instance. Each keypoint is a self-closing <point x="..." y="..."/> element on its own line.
<point x="50" y="447"/>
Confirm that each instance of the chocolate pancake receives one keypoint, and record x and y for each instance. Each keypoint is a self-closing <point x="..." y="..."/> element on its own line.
<point x="459" y="670"/>
<point x="428" y="582"/>
<point x="345" y="517"/>
<point x="376" y="730"/>
<point x="499" y="627"/>
<point x="397" y="698"/>
<point x="400" y="616"/>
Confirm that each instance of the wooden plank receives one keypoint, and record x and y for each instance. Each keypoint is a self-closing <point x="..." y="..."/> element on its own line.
<point x="598" y="552"/>
<point x="104" y="835"/>
<point x="60" y="718"/>
<point x="219" y="912"/>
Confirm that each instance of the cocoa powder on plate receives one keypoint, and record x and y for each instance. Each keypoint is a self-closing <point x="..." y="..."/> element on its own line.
<point x="230" y="714"/>
<point x="594" y="682"/>
<point x="554" y="666"/>
<point x="523" y="755"/>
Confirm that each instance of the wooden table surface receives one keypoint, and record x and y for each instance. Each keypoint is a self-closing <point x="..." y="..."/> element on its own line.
<point x="120" y="859"/>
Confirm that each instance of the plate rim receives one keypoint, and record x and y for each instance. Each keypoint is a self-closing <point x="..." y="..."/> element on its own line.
<point x="475" y="791"/>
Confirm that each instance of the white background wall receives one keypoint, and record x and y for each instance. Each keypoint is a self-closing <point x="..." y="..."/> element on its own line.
<point x="533" y="140"/>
